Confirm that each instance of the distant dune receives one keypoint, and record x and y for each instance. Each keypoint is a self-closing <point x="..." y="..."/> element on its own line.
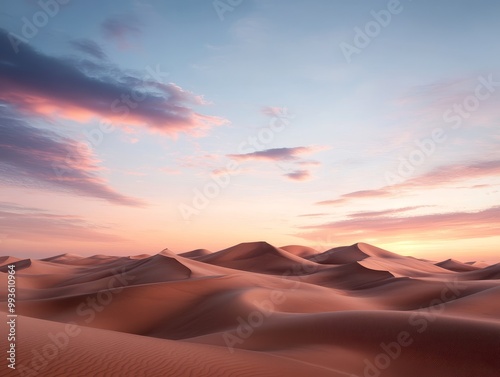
<point x="255" y="310"/>
<point x="456" y="266"/>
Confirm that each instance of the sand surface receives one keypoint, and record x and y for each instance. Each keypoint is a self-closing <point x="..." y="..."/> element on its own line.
<point x="254" y="310"/>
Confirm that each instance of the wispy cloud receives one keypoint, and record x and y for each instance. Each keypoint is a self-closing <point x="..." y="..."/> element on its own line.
<point x="453" y="173"/>
<point x="439" y="226"/>
<point x="89" y="47"/>
<point x="308" y="163"/>
<point x="120" y="28"/>
<point x="330" y="202"/>
<point x="367" y="214"/>
<point x="439" y="177"/>
<point x="287" y="159"/>
<point x="298" y="175"/>
<point x="314" y="214"/>
<point x="276" y="154"/>
<point x="29" y="156"/>
<point x="357" y="194"/>
<point x="38" y="225"/>
<point x="273" y="111"/>
<point x="44" y="85"/>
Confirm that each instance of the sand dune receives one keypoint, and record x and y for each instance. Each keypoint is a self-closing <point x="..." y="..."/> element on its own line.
<point x="19" y="263"/>
<point x="257" y="257"/>
<point x="479" y="264"/>
<point x="456" y="266"/>
<point x="94" y="352"/>
<point x="487" y="273"/>
<point x="140" y="256"/>
<point x="7" y="260"/>
<point x="407" y="267"/>
<point x="196" y="253"/>
<point x="354" y="253"/>
<point x="349" y="276"/>
<point x="66" y="258"/>
<point x="300" y="251"/>
<point x="257" y="310"/>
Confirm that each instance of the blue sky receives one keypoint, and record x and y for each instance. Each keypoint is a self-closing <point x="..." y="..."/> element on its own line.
<point x="317" y="138"/>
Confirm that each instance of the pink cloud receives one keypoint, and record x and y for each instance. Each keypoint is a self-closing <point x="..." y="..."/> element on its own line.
<point x="451" y="174"/>
<point x="383" y="212"/>
<point x="439" y="226"/>
<point x="308" y="163"/>
<point x="37" y="225"/>
<point x="330" y="202"/>
<point x="276" y="154"/>
<point x="44" y="85"/>
<point x="89" y="47"/>
<point x="121" y="28"/>
<point x="298" y="175"/>
<point x="31" y="156"/>
<point x="314" y="214"/>
<point x="439" y="177"/>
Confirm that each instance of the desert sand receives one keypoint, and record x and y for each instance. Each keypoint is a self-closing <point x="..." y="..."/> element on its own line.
<point x="255" y="310"/>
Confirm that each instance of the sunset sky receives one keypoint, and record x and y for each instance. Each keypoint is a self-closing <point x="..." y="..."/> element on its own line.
<point x="127" y="127"/>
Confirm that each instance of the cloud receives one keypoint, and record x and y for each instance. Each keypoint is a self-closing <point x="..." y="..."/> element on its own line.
<point x="31" y="156"/>
<point x="43" y="85"/>
<point x="436" y="178"/>
<point x="330" y="202"/>
<point x="479" y="186"/>
<point x="282" y="157"/>
<point x="277" y="112"/>
<point x="453" y="173"/>
<point x="120" y="28"/>
<point x="298" y="175"/>
<point x="358" y="194"/>
<point x="8" y="206"/>
<point x="367" y="214"/>
<point x="439" y="226"/>
<point x="271" y="111"/>
<point x="366" y="194"/>
<point x="38" y="225"/>
<point x="276" y="154"/>
<point x="308" y="163"/>
<point x="89" y="47"/>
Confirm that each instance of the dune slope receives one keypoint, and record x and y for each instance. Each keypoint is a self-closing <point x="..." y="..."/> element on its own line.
<point x="255" y="310"/>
